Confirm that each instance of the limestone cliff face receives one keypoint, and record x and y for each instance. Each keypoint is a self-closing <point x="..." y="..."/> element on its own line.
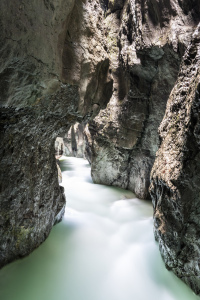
<point x="145" y="43"/>
<point x="175" y="176"/>
<point x="54" y="71"/>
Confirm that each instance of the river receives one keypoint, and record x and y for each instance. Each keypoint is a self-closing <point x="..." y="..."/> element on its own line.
<point x="103" y="249"/>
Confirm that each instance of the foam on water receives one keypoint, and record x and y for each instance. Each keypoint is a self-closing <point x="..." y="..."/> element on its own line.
<point x="103" y="249"/>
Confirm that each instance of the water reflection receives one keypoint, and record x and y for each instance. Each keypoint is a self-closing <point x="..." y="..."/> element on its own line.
<point x="103" y="250"/>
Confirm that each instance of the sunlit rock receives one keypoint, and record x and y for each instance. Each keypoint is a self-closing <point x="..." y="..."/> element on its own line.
<point x="145" y="43"/>
<point x="111" y="64"/>
<point x="175" y="176"/>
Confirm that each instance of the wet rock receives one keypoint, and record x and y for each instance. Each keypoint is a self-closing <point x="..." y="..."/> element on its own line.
<point x="61" y="63"/>
<point x="54" y="70"/>
<point x="31" y="197"/>
<point x="175" y="176"/>
<point x="74" y="141"/>
<point x="59" y="173"/>
<point x="145" y="43"/>
<point x="59" y="148"/>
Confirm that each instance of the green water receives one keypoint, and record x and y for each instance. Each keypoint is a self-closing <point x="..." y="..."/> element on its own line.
<point x="103" y="249"/>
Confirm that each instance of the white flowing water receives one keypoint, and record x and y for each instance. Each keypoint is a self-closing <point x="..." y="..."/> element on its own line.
<point x="103" y="249"/>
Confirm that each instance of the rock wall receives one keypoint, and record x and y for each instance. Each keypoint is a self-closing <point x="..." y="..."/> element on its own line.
<point x="54" y="71"/>
<point x="61" y="63"/>
<point x="150" y="69"/>
<point x="59" y="147"/>
<point x="175" y="176"/>
<point x="74" y="141"/>
<point x="145" y="43"/>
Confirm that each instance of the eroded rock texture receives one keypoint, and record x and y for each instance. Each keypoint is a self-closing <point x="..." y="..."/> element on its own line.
<point x="61" y="61"/>
<point x="54" y="71"/>
<point x="175" y="177"/>
<point x="145" y="43"/>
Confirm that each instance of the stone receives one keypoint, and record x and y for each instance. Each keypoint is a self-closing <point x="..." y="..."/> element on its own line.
<point x="175" y="176"/>
<point x="145" y="43"/>
<point x="53" y="71"/>
<point x="74" y="141"/>
<point x="124" y="68"/>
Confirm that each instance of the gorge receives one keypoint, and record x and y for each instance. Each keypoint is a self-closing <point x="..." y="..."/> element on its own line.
<point x="129" y="71"/>
<point x="103" y="249"/>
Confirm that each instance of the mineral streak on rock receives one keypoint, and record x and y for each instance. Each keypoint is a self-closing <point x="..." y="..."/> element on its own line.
<point x="175" y="176"/>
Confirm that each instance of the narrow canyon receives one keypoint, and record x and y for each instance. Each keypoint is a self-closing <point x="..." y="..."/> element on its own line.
<point x="118" y="81"/>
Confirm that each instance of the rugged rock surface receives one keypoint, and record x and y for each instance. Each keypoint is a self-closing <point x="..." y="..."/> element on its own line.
<point x="53" y="72"/>
<point x="74" y="141"/>
<point x="145" y="43"/>
<point x="59" y="147"/>
<point x="145" y="47"/>
<point x="61" y="61"/>
<point x="175" y="177"/>
<point x="29" y="206"/>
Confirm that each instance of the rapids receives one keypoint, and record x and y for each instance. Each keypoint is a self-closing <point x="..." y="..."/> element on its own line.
<point x="104" y="249"/>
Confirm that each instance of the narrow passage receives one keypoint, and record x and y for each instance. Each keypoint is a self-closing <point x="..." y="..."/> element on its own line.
<point x="104" y="249"/>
